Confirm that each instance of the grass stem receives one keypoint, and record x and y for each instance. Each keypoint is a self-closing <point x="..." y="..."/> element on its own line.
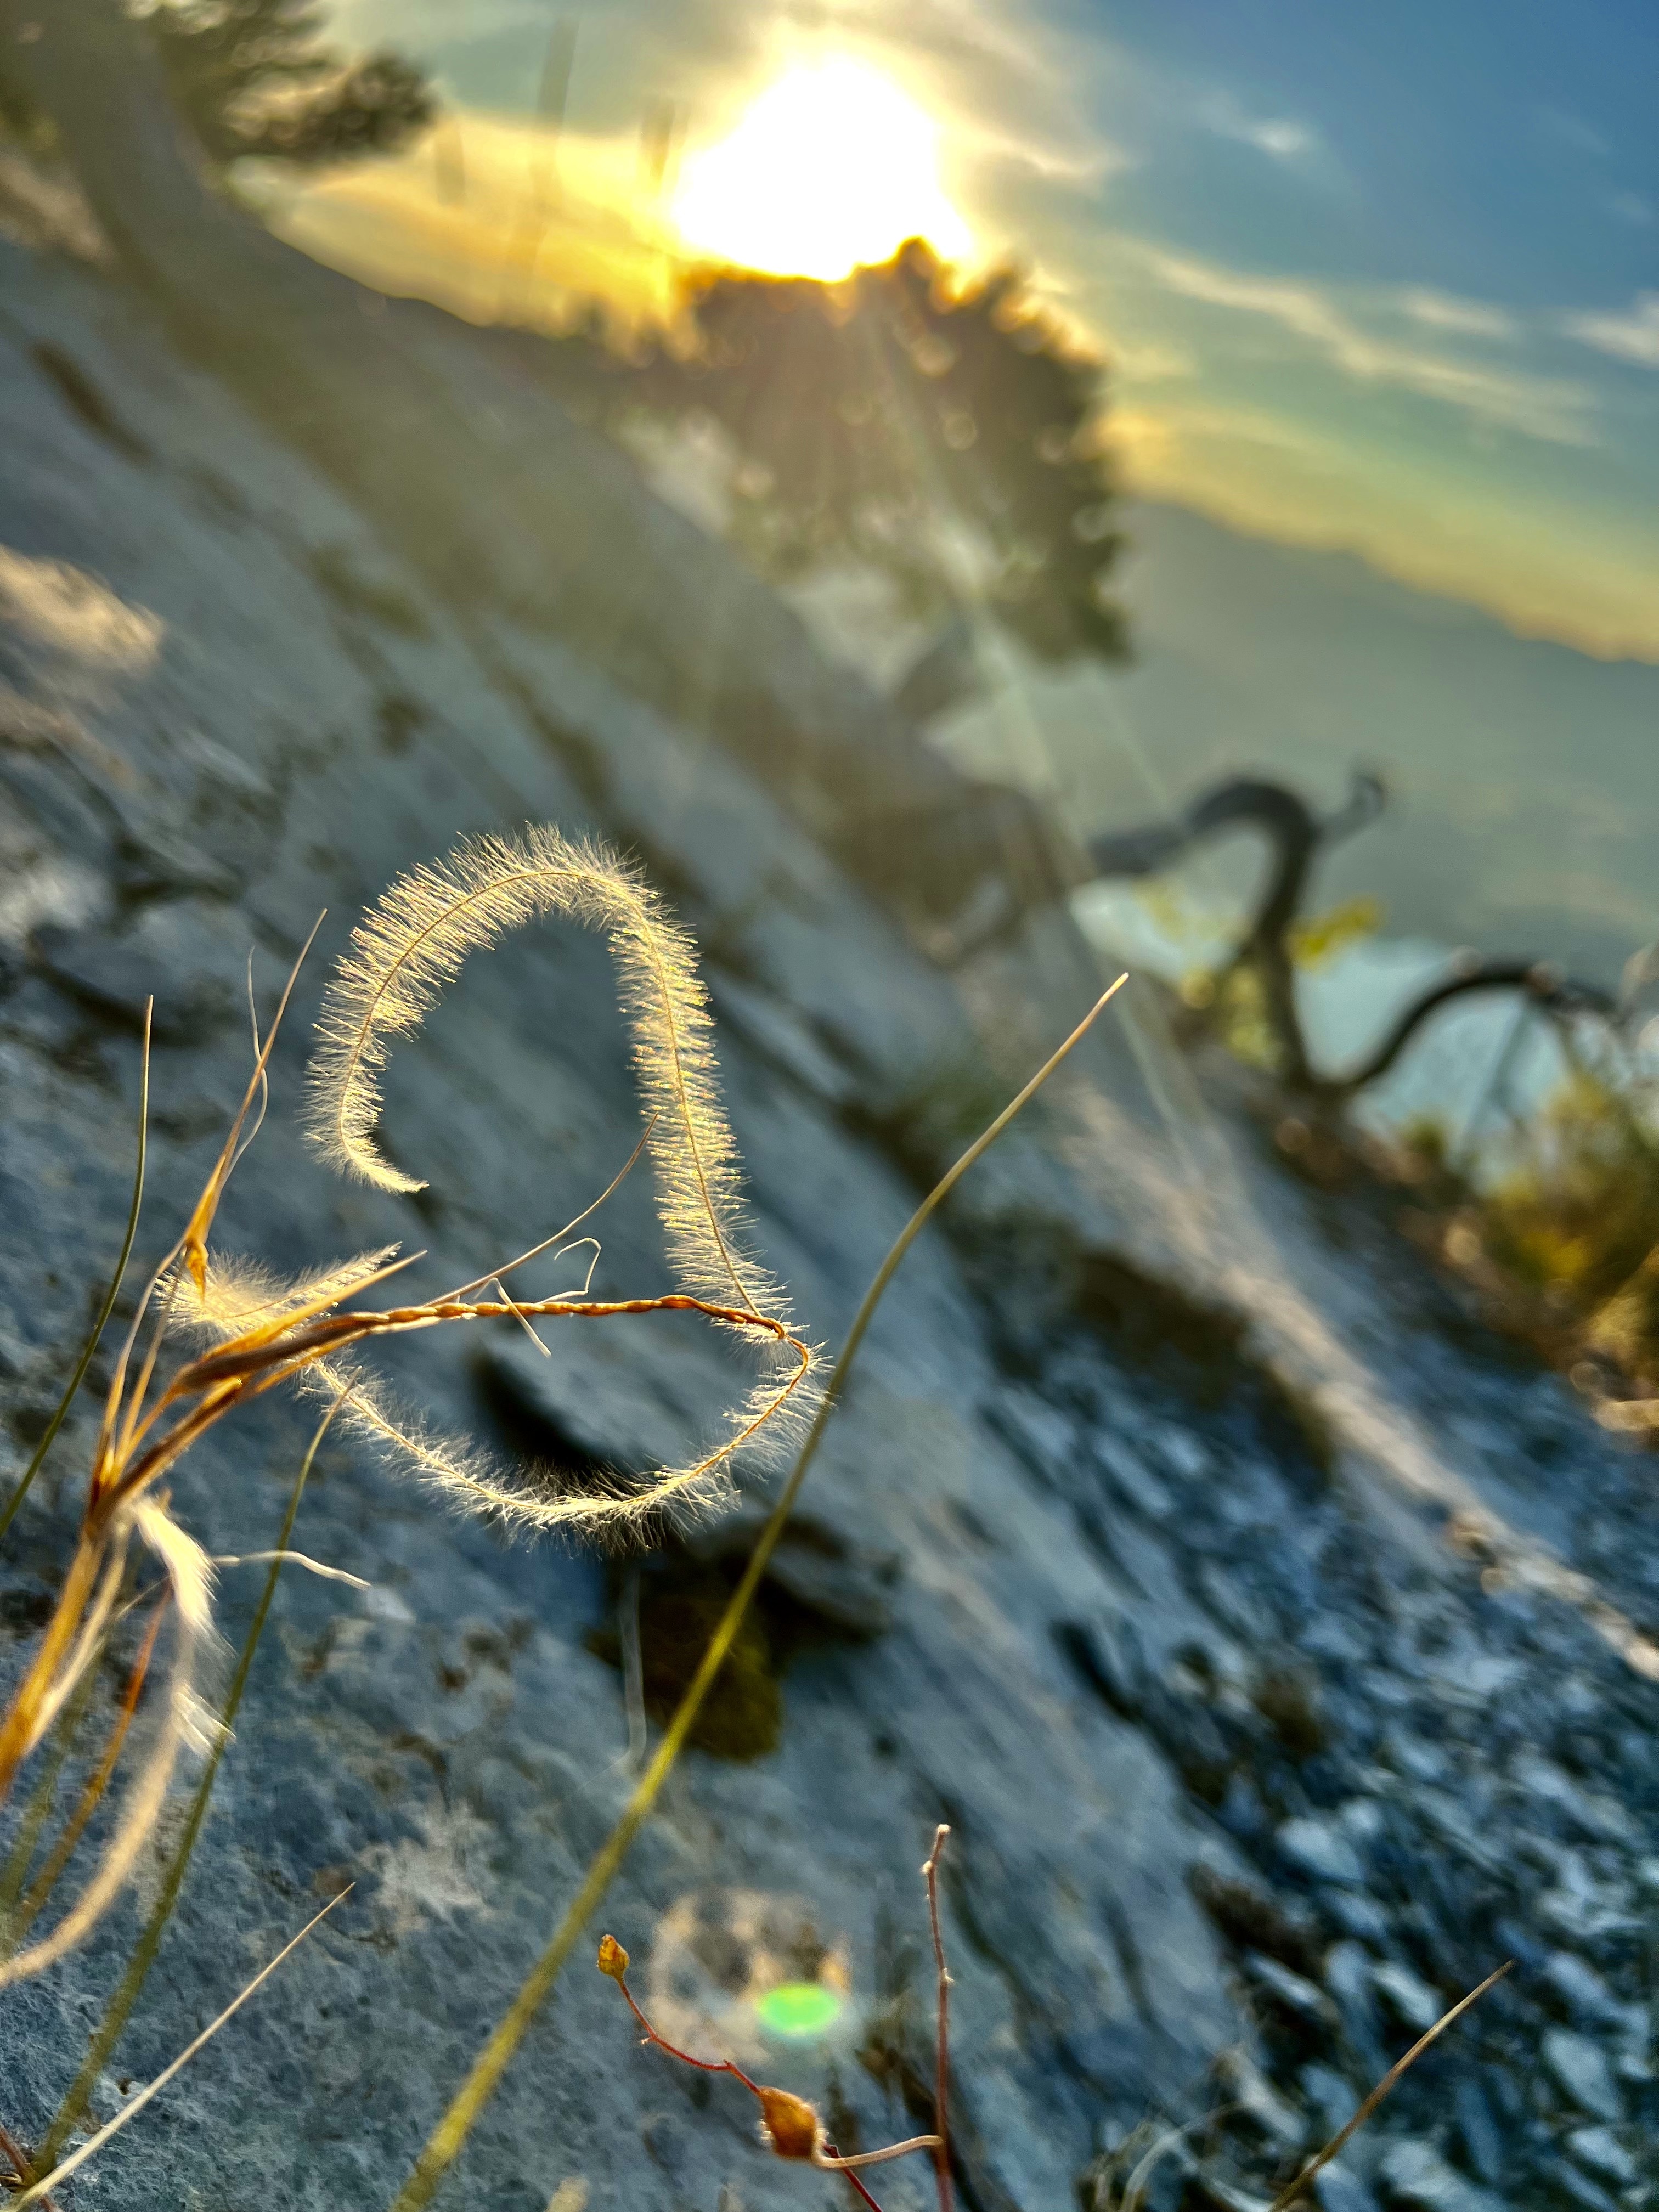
<point x="942" y="2069"/>
<point x="447" y="2139"/>
<point x="37" y="1811"/>
<point x="97" y="1782"/>
<point x="36" y="2191"/>
<point x="1288" y="2196"/>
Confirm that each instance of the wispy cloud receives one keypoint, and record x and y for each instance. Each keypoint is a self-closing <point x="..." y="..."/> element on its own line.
<point x="1570" y="129"/>
<point x="1634" y="336"/>
<point x="1473" y="319"/>
<point x="1279" y="136"/>
<point x="1283" y="137"/>
<point x="1151" y="361"/>
<point x="1552" y="408"/>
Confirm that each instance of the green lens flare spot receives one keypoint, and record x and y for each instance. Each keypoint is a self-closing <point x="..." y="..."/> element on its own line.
<point x="799" y="2009"/>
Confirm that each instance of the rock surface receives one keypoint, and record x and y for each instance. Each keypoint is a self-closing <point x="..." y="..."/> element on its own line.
<point x="1127" y="1553"/>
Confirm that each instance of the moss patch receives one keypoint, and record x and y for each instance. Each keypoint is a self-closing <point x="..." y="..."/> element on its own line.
<point x="742" y="1717"/>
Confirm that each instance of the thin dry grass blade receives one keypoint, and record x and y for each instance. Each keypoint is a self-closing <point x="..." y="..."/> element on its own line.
<point x="94" y="1626"/>
<point x="517" y="1312"/>
<point x="479" y="1282"/>
<point x="192" y="1243"/>
<point x="135" y="2105"/>
<point x="830" y="2162"/>
<point x="1288" y="2196"/>
<point x="21" y="2170"/>
<point x="264" y="1078"/>
<point x="37" y="1811"/>
<point x="942" y="2052"/>
<point x="1134" y="2190"/>
<point x="317" y="1567"/>
<point x="52" y="1672"/>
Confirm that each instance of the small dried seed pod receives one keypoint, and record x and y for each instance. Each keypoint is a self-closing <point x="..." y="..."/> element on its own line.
<point x="788" y="2125"/>
<point x="613" y="1959"/>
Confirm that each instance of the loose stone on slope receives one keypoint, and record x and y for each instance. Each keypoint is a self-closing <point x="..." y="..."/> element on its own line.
<point x="1600" y="2150"/>
<point x="1321" y="1852"/>
<point x="1409" y="1993"/>
<point x="1580" y="2066"/>
<point x="1414" y="2173"/>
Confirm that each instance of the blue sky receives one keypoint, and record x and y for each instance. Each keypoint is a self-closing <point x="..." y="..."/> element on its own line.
<point x="1379" y="276"/>
<point x="1483" y="147"/>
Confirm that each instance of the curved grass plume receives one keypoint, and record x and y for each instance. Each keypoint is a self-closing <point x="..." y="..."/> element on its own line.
<point x="264" y="1332"/>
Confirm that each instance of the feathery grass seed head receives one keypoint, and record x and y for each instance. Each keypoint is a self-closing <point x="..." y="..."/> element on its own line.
<point x="413" y="942"/>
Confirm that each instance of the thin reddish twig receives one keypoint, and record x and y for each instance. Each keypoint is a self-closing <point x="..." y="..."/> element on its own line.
<point x="854" y="2179"/>
<point x="249" y="1367"/>
<point x="942" y="2077"/>
<point x="789" y="2126"/>
<point x="703" y="2065"/>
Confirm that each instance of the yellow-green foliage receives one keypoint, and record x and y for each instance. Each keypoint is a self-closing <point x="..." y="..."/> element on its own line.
<point x="1322" y="937"/>
<point x="1426" y="1141"/>
<point x="1241" y="1018"/>
<point x="741" y="1713"/>
<point x="1576" y="1217"/>
<point x="1625" y="1330"/>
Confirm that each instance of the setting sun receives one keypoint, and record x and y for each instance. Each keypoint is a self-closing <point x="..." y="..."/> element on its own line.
<point x="831" y="167"/>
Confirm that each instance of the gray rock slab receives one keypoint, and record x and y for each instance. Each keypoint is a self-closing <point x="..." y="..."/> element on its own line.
<point x="1479" y="2132"/>
<point x="1143" y="1426"/>
<point x="1407" y="1994"/>
<point x="443" y="1738"/>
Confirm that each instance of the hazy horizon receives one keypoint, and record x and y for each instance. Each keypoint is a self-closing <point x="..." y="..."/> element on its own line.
<point x="1522" y="806"/>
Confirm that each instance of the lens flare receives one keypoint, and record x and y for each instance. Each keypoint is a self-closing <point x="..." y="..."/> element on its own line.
<point x="831" y="167"/>
<point x="799" y="2009"/>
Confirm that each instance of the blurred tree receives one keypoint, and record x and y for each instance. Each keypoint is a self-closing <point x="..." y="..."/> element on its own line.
<point x="949" y="434"/>
<point x="255" y="77"/>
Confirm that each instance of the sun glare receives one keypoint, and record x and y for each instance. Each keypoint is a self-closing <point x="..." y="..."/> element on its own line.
<point x="831" y="167"/>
